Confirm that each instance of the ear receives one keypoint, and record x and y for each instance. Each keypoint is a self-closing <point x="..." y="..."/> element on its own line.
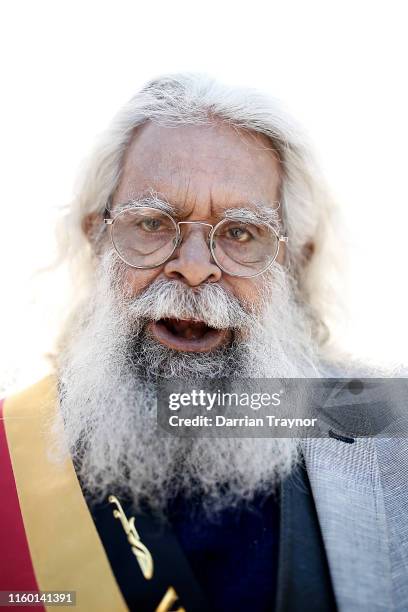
<point x="308" y="250"/>
<point x="92" y="226"/>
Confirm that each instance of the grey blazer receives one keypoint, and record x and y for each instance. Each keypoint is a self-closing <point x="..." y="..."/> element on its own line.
<point x="360" y="491"/>
<point x="359" y="484"/>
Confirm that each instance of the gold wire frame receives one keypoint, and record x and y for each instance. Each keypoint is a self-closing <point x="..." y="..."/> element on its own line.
<point x="179" y="239"/>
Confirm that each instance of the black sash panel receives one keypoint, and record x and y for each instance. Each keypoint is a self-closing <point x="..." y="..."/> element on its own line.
<point x="171" y="572"/>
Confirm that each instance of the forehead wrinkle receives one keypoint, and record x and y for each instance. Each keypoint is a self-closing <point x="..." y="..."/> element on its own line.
<point x="188" y="200"/>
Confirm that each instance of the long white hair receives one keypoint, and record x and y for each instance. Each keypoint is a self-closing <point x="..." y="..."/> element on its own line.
<point x="308" y="213"/>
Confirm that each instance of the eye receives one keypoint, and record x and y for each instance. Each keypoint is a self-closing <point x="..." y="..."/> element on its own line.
<point x="239" y="234"/>
<point x="151" y="224"/>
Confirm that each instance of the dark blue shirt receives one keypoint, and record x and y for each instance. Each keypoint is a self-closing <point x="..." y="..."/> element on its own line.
<point x="235" y="557"/>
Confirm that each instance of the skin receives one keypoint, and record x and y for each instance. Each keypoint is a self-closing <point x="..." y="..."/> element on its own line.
<point x="202" y="171"/>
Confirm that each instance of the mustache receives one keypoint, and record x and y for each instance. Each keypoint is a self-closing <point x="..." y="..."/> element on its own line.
<point x="209" y="303"/>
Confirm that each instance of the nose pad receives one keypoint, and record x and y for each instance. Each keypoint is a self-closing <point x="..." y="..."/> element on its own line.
<point x="178" y="240"/>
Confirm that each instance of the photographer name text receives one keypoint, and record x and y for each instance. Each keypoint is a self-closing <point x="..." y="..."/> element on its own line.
<point x="222" y="421"/>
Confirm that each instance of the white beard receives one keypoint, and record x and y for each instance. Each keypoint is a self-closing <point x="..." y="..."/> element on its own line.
<point x="108" y="400"/>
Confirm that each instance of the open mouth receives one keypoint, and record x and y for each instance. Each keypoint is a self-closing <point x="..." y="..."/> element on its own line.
<point x="187" y="335"/>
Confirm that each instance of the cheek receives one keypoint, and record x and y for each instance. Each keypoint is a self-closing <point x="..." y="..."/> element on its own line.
<point x="137" y="280"/>
<point x="247" y="290"/>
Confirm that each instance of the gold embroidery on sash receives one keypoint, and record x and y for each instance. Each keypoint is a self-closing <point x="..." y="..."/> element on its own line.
<point x="141" y="552"/>
<point x="168" y="600"/>
<point x="143" y="556"/>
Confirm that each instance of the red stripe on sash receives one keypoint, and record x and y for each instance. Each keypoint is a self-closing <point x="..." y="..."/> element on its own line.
<point x="16" y="568"/>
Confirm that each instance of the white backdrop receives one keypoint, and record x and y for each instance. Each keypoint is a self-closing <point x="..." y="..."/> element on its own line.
<point x="339" y="66"/>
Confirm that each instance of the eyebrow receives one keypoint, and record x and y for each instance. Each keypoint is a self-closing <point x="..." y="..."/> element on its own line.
<point x="152" y="199"/>
<point x="260" y="213"/>
<point x="257" y="213"/>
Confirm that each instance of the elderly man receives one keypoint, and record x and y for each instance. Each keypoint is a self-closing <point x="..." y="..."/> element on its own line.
<point x="201" y="238"/>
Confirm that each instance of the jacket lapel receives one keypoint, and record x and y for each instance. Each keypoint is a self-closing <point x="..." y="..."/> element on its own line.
<point x="303" y="573"/>
<point x="346" y="483"/>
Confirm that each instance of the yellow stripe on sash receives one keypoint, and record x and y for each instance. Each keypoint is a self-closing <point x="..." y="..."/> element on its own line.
<point x="65" y="548"/>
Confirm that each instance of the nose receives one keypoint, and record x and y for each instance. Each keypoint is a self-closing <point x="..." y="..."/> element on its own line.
<point x="192" y="262"/>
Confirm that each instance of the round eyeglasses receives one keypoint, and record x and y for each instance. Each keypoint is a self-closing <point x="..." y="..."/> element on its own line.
<point x="146" y="237"/>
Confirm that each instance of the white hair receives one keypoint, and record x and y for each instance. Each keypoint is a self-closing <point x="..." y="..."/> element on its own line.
<point x="307" y="209"/>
